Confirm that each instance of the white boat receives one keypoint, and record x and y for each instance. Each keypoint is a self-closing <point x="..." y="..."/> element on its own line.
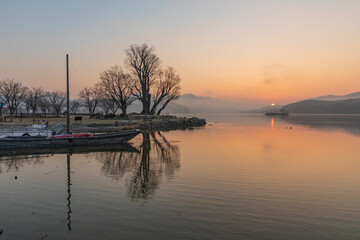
<point x="34" y="130"/>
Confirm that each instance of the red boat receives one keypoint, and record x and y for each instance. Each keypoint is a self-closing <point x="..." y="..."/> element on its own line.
<point x="75" y="135"/>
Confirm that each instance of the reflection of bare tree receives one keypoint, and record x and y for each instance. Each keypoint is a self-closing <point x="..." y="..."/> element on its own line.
<point x="116" y="164"/>
<point x="169" y="154"/>
<point x="157" y="157"/>
<point x="14" y="163"/>
<point x="145" y="179"/>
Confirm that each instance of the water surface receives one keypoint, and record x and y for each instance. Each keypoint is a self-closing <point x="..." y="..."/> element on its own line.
<point x="240" y="177"/>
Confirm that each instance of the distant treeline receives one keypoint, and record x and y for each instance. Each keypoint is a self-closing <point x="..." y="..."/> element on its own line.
<point x="142" y="79"/>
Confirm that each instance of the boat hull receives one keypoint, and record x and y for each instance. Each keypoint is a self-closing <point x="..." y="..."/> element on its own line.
<point x="26" y="153"/>
<point x="42" y="142"/>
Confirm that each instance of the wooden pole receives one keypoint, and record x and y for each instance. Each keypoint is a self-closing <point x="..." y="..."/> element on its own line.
<point x="67" y="95"/>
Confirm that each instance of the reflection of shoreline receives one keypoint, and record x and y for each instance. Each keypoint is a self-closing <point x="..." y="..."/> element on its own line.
<point x="344" y="123"/>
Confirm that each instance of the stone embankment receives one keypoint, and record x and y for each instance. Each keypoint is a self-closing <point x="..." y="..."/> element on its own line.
<point x="152" y="123"/>
<point x="166" y="125"/>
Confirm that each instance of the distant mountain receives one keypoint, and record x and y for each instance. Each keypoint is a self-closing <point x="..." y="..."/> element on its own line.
<point x="338" y="98"/>
<point x="312" y="106"/>
<point x="190" y="103"/>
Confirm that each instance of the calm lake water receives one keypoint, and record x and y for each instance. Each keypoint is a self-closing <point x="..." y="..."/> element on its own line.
<point x="240" y="177"/>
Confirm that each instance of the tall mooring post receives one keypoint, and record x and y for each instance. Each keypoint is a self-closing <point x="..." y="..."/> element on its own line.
<point x="67" y="96"/>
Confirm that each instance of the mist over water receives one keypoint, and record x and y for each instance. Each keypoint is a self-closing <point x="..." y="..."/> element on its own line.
<point x="241" y="176"/>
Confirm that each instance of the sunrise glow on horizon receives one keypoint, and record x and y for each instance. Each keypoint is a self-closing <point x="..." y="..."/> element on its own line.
<point x="267" y="51"/>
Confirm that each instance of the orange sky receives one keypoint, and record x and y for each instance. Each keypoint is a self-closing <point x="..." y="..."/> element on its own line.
<point x="277" y="51"/>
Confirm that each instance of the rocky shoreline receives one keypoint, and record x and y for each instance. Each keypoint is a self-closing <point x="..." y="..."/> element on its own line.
<point x="147" y="124"/>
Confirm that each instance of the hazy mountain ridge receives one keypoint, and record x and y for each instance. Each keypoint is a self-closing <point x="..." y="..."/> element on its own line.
<point x="190" y="103"/>
<point x="338" y="98"/>
<point x="312" y="106"/>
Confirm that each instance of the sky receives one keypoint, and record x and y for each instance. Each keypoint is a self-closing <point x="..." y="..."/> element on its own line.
<point x="263" y="50"/>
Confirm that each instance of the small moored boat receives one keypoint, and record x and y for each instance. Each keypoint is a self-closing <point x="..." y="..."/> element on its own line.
<point x="276" y="113"/>
<point x="68" y="140"/>
<point x="282" y="112"/>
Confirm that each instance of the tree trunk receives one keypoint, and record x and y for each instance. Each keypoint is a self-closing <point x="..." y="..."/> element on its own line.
<point x="153" y="109"/>
<point x="123" y="109"/>
<point x="146" y="104"/>
<point x="160" y="110"/>
<point x="145" y="109"/>
<point x="163" y="107"/>
<point x="155" y="105"/>
<point x="33" y="113"/>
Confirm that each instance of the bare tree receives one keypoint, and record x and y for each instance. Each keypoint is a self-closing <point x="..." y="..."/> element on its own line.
<point x="108" y="105"/>
<point x="116" y="86"/>
<point x="57" y="100"/>
<point x="44" y="104"/>
<point x="12" y="94"/>
<point x="144" y="65"/>
<point x="91" y="97"/>
<point x="33" y="98"/>
<point x="166" y="90"/>
<point x="74" y="105"/>
<point x="26" y="102"/>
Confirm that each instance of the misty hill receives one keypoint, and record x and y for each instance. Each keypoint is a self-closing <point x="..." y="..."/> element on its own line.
<point x="338" y="98"/>
<point x="190" y="103"/>
<point x="312" y="106"/>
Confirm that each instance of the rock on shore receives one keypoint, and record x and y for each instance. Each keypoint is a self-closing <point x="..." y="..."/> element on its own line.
<point x="165" y="125"/>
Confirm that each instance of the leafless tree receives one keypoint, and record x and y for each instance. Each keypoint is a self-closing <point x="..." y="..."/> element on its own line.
<point x="91" y="97"/>
<point x="74" y="105"/>
<point x="144" y="65"/>
<point x="33" y="98"/>
<point x="26" y="103"/>
<point x="44" y="104"/>
<point x="57" y="100"/>
<point x="116" y="86"/>
<point x="166" y="90"/>
<point x="108" y="105"/>
<point x="12" y="94"/>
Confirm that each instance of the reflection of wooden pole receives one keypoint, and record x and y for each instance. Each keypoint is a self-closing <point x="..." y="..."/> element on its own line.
<point x="67" y="97"/>
<point x="69" y="193"/>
